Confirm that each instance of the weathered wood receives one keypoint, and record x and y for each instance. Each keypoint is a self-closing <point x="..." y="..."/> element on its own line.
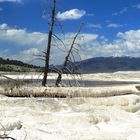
<point x="47" y="54"/>
<point x="59" y="78"/>
<point x="68" y="91"/>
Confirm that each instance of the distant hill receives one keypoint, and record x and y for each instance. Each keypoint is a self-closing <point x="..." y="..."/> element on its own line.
<point x="93" y="65"/>
<point x="109" y="64"/>
<point x="17" y="66"/>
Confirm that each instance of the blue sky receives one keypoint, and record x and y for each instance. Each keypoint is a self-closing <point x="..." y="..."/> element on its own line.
<point x="111" y="27"/>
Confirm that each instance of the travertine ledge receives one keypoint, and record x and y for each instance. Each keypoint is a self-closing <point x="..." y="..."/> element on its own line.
<point x="69" y="91"/>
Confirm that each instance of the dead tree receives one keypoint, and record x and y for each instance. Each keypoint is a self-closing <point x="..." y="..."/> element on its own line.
<point x="47" y="53"/>
<point x="67" y="58"/>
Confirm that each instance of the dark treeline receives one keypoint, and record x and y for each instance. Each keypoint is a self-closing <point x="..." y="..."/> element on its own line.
<point x="8" y="65"/>
<point x="16" y="62"/>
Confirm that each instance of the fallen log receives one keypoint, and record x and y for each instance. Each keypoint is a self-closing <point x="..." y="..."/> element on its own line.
<point x="68" y="91"/>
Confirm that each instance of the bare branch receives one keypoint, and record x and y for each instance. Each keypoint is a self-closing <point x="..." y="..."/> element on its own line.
<point x="6" y="137"/>
<point x="59" y="39"/>
<point x="58" y="45"/>
<point x="59" y="78"/>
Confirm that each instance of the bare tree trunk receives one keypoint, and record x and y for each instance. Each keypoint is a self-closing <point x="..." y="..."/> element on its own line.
<point x="47" y="54"/>
<point x="59" y="78"/>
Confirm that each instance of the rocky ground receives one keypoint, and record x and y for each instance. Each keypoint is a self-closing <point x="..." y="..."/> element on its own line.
<point x="116" y="117"/>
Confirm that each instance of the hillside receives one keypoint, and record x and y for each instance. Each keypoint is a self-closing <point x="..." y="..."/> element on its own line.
<point x="17" y="66"/>
<point x="109" y="64"/>
<point x="93" y="65"/>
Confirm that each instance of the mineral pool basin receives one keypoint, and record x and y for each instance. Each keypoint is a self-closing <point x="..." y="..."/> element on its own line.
<point x="71" y="83"/>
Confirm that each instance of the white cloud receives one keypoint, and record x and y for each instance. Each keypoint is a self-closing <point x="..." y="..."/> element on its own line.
<point x="28" y="55"/>
<point x="71" y="14"/>
<point x="22" y="41"/>
<point x="114" y="25"/>
<point x="3" y="27"/>
<point x="137" y="6"/>
<point x="21" y="36"/>
<point x="125" y="44"/>
<point x="120" y="12"/>
<point x="97" y="26"/>
<point x="11" y="1"/>
<point x="130" y="39"/>
<point x="26" y="44"/>
<point x="23" y="45"/>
